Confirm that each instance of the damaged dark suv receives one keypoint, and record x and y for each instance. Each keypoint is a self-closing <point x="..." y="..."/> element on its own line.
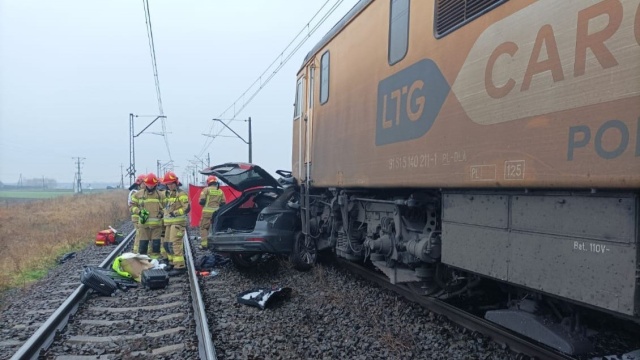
<point x="263" y="219"/>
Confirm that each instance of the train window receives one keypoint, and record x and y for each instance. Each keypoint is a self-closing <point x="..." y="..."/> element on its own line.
<point x="453" y="14"/>
<point x="398" y="30"/>
<point x="324" y="77"/>
<point x="297" y="107"/>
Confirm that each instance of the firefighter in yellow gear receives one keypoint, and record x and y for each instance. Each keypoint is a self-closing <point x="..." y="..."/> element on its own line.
<point x="148" y="203"/>
<point x="211" y="199"/>
<point x="135" y="218"/>
<point x="176" y="209"/>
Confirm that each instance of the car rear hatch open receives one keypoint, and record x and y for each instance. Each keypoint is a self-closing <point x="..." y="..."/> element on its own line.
<point x="242" y="176"/>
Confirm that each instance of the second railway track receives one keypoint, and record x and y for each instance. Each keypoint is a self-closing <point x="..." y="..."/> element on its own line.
<point x="166" y="324"/>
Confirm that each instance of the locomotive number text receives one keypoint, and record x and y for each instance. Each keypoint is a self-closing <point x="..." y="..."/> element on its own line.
<point x="426" y="160"/>
<point x="514" y="170"/>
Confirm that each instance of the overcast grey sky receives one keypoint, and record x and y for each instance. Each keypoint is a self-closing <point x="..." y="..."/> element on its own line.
<point x="71" y="71"/>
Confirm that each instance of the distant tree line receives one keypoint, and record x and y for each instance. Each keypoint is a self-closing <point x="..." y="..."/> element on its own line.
<point x="34" y="183"/>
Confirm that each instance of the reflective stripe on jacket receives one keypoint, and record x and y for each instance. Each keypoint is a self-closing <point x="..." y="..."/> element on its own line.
<point x="176" y="203"/>
<point x="214" y="197"/>
<point x="152" y="201"/>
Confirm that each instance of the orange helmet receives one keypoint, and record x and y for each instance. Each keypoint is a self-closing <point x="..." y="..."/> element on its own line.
<point x="140" y="179"/>
<point x="170" y="177"/>
<point x="212" y="179"/>
<point x="151" y="179"/>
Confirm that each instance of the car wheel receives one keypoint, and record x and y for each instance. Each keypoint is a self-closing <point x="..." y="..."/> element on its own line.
<point x="245" y="261"/>
<point x="305" y="252"/>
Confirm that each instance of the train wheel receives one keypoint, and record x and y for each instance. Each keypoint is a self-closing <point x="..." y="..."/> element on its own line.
<point x="305" y="252"/>
<point x="245" y="261"/>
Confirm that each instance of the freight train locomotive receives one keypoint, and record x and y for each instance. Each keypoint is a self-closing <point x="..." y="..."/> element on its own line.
<point x="452" y="141"/>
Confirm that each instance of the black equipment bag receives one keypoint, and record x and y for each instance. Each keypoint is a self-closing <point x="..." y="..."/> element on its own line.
<point x="119" y="238"/>
<point x="98" y="282"/>
<point x="155" y="279"/>
<point x="205" y="262"/>
<point x="122" y="282"/>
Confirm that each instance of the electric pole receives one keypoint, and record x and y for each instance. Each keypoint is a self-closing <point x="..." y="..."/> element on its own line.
<point x="79" y="174"/>
<point x="121" y="177"/>
<point x="131" y="171"/>
<point x="248" y="142"/>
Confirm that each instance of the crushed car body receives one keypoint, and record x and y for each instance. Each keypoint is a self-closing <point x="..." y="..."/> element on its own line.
<point x="263" y="219"/>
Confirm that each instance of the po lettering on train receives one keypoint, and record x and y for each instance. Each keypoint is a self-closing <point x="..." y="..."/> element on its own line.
<point x="591" y="138"/>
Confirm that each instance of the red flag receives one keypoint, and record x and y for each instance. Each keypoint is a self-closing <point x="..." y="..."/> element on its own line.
<point x="196" y="209"/>
<point x="194" y="201"/>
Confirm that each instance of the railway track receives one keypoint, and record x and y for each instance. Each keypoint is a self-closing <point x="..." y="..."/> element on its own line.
<point x="163" y="323"/>
<point x="170" y="323"/>
<point x="515" y="342"/>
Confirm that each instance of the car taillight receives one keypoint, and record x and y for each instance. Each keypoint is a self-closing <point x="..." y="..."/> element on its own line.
<point x="255" y="239"/>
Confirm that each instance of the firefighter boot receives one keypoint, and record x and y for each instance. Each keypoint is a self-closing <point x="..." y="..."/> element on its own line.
<point x="177" y="272"/>
<point x="155" y="249"/>
<point x="167" y="248"/>
<point x="144" y="247"/>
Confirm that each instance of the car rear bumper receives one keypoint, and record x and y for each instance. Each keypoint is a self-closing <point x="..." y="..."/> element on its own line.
<point x="254" y="242"/>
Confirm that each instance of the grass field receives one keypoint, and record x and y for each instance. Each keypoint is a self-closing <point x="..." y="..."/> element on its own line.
<point x="33" y="194"/>
<point x="27" y="228"/>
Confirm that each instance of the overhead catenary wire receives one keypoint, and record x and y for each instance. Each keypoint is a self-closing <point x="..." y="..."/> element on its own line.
<point x="154" y="65"/>
<point x="259" y="82"/>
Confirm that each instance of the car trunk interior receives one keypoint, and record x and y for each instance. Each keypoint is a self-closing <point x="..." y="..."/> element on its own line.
<point x="245" y="213"/>
<point x="238" y="219"/>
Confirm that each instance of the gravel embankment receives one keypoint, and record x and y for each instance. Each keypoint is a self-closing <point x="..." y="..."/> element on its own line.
<point x="22" y="311"/>
<point x="331" y="314"/>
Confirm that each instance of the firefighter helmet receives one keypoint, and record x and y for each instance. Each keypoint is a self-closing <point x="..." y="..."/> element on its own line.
<point x="140" y="179"/>
<point x="212" y="179"/>
<point x="151" y="180"/>
<point x="170" y="177"/>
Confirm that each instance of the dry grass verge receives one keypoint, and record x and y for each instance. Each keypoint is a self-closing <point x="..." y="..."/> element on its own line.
<point x="34" y="234"/>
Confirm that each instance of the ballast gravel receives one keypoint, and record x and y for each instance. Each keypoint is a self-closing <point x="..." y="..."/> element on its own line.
<point x="330" y="314"/>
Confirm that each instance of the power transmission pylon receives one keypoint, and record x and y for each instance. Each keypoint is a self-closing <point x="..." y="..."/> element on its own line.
<point x="79" y="174"/>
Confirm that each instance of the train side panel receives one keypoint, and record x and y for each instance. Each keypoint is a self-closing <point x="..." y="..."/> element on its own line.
<point x="576" y="247"/>
<point x="555" y="104"/>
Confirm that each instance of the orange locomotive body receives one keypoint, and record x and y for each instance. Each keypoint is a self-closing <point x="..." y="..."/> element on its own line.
<point x="494" y="139"/>
<point x="528" y="94"/>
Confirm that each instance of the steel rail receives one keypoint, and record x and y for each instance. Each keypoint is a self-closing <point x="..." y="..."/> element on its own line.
<point x="460" y="317"/>
<point x="206" y="350"/>
<point x="43" y="337"/>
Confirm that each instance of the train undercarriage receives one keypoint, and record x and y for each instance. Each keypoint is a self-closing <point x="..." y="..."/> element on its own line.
<point x="551" y="256"/>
